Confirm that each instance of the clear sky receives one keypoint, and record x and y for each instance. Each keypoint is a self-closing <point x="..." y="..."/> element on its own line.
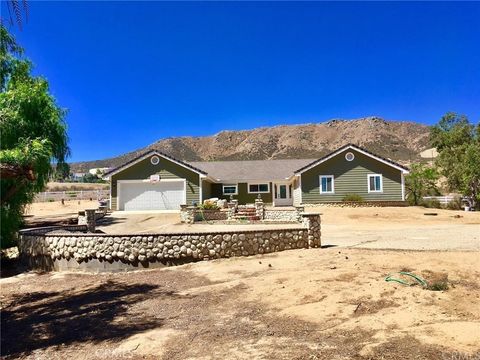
<point x="131" y="73"/>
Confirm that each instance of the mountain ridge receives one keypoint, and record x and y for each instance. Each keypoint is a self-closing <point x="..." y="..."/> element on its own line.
<point x="399" y="140"/>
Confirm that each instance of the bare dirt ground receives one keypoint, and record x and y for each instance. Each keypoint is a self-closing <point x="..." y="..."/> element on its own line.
<point x="329" y="303"/>
<point x="301" y="304"/>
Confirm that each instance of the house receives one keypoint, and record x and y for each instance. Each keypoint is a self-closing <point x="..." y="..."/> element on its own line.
<point x="156" y="181"/>
<point x="98" y="171"/>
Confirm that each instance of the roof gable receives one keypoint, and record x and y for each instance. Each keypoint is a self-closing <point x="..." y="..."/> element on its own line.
<point x="146" y="155"/>
<point x="388" y="162"/>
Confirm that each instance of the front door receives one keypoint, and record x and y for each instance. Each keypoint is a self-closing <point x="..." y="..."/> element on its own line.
<point x="282" y="194"/>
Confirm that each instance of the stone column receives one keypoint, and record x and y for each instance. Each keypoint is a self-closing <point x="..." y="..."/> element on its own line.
<point x="232" y="209"/>
<point x="90" y="215"/>
<point x="299" y="210"/>
<point x="260" y="209"/>
<point x="312" y="222"/>
<point x="191" y="211"/>
<point x="183" y="213"/>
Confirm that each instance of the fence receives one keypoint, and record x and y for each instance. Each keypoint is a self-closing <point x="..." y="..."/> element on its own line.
<point x="48" y="196"/>
<point x="441" y="199"/>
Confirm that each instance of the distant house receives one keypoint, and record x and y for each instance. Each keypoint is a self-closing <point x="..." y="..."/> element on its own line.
<point x="96" y="171"/>
<point x="77" y="176"/>
<point x="156" y="181"/>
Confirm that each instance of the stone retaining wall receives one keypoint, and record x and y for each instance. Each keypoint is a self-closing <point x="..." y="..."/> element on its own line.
<point x="210" y="215"/>
<point x="61" y="248"/>
<point x="288" y="215"/>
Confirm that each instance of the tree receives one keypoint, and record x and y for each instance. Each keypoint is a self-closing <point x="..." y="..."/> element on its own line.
<point x="91" y="178"/>
<point x="33" y="134"/>
<point x="420" y="182"/>
<point x="458" y="145"/>
<point x="62" y="171"/>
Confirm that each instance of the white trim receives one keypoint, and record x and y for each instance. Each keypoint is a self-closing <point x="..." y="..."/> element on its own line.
<point x="403" y="186"/>
<point x="320" y="184"/>
<point x="356" y="149"/>
<point x="140" y="181"/>
<point x="350" y="153"/>
<point x="236" y="187"/>
<point x="368" y="183"/>
<point x="200" y="194"/>
<point x="258" y="183"/>
<point x="156" y="158"/>
<point x="300" y="185"/>
<point x="125" y="166"/>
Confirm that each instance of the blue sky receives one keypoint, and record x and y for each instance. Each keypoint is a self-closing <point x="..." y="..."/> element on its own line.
<point x="131" y="73"/>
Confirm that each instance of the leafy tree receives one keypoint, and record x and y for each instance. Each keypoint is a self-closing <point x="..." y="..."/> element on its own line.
<point x="33" y="135"/>
<point x="420" y="182"/>
<point x="91" y="178"/>
<point x="458" y="145"/>
<point x="62" y="171"/>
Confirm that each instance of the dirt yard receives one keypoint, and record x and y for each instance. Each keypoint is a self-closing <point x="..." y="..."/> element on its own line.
<point x="328" y="303"/>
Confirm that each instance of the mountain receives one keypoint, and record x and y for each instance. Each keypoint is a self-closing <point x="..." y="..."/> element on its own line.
<point x="400" y="141"/>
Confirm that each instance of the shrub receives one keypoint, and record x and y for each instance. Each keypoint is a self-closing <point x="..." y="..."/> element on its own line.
<point x="352" y="197"/>
<point x="209" y="205"/>
<point x="455" y="204"/>
<point x="432" y="204"/>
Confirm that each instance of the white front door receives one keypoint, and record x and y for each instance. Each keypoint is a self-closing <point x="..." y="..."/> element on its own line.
<point x="282" y="194"/>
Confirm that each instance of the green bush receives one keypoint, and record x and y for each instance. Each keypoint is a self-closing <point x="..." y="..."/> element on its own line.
<point x="353" y="197"/>
<point x="432" y="204"/>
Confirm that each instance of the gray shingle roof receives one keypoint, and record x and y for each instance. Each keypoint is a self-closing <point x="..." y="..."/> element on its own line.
<point x="251" y="169"/>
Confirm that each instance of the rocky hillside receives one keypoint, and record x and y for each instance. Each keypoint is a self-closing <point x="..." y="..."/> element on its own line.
<point x="401" y="141"/>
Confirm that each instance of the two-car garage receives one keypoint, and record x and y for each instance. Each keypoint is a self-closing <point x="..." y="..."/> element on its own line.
<point x="166" y="194"/>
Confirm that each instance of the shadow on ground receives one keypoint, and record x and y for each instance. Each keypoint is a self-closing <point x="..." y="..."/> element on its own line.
<point x="38" y="320"/>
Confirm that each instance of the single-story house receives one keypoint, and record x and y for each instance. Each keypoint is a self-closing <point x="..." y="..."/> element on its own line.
<point x="156" y="181"/>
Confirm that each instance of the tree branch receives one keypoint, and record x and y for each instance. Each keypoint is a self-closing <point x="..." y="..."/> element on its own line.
<point x="10" y="171"/>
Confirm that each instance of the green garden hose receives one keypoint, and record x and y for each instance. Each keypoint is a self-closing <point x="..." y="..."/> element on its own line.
<point x="404" y="282"/>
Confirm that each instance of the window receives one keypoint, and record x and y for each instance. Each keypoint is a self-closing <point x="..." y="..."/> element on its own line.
<point x="326" y="184"/>
<point x="259" y="188"/>
<point x="375" y="183"/>
<point x="155" y="160"/>
<point x="230" y="189"/>
<point x="349" y="156"/>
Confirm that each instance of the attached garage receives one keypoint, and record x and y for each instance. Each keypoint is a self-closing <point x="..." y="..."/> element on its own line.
<point x="141" y="195"/>
<point x="154" y="181"/>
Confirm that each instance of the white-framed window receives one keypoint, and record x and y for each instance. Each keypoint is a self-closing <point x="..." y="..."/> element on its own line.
<point x="154" y="160"/>
<point x="375" y="183"/>
<point x="258" y="188"/>
<point x="327" y="185"/>
<point x="230" y="189"/>
<point x="349" y="156"/>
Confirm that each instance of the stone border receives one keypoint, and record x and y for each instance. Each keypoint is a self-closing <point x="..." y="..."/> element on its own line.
<point x="62" y="248"/>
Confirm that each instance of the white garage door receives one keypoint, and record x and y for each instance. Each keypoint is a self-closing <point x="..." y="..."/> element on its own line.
<point x="163" y="195"/>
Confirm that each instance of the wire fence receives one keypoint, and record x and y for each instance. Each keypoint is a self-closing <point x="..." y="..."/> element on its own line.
<point x="50" y="196"/>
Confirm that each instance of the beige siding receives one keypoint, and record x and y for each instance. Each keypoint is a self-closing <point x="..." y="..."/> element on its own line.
<point x="351" y="177"/>
<point x="166" y="169"/>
